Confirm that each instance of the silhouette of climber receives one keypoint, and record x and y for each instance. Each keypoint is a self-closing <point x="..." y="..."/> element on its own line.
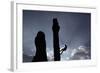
<point x="40" y="44"/>
<point x="56" y="29"/>
<point x="63" y="49"/>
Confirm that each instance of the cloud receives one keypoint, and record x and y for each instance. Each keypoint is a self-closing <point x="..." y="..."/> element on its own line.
<point x="50" y="55"/>
<point x="80" y="53"/>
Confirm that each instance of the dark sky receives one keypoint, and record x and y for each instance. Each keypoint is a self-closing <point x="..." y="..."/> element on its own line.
<point x="74" y="29"/>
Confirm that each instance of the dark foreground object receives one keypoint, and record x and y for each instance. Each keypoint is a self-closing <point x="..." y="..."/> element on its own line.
<point x="40" y="44"/>
<point x="56" y="47"/>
